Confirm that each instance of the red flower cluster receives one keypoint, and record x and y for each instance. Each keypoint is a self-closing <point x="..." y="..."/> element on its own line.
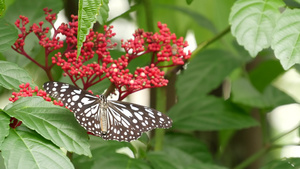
<point x="95" y="62"/>
<point x="27" y="91"/>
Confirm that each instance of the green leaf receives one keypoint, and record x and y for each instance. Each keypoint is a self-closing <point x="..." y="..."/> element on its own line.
<point x="205" y="72"/>
<point x="105" y="155"/>
<point x="8" y="35"/>
<point x="244" y="93"/>
<point x="4" y="126"/>
<point x="27" y="150"/>
<point x="260" y="78"/>
<point x="190" y="145"/>
<point x="173" y="158"/>
<point x="104" y="9"/>
<point x="87" y="15"/>
<point x="52" y="122"/>
<point x="208" y="113"/>
<point x="253" y="21"/>
<point x="99" y="88"/>
<point x="285" y="38"/>
<point x="11" y="75"/>
<point x="163" y="160"/>
<point x="286" y="163"/>
<point x="200" y="19"/>
<point x="189" y="1"/>
<point x="205" y="166"/>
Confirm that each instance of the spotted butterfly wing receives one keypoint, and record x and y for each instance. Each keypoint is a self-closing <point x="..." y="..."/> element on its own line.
<point x="111" y="120"/>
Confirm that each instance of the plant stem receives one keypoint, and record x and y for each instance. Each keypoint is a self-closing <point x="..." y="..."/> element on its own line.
<point x="161" y="101"/>
<point x="149" y="15"/>
<point x="252" y="158"/>
<point x="261" y="152"/>
<point x="284" y="134"/>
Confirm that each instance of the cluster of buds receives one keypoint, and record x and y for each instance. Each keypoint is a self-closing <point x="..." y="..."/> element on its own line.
<point x="27" y="91"/>
<point x="95" y="62"/>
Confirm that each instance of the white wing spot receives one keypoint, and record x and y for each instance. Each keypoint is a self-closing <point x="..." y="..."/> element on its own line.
<point x="134" y="121"/>
<point x="75" y="98"/>
<point x="133" y="107"/>
<point x="86" y="101"/>
<point x="138" y="116"/>
<point x="77" y="91"/>
<point x="121" y="105"/>
<point x="126" y="112"/>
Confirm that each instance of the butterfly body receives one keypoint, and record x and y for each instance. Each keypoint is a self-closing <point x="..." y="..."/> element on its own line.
<point x="111" y="120"/>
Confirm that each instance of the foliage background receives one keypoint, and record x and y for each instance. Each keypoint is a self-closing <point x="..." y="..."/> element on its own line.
<point x="219" y="104"/>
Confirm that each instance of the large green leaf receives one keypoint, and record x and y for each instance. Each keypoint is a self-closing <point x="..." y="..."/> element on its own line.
<point x="11" y="75"/>
<point x="205" y="72"/>
<point x="163" y="160"/>
<point x="87" y="16"/>
<point x="252" y="23"/>
<point x="52" y="122"/>
<point x="285" y="38"/>
<point x="244" y="93"/>
<point x="105" y="155"/>
<point x="264" y="73"/>
<point x="8" y="35"/>
<point x="173" y="158"/>
<point x="205" y="166"/>
<point x="286" y="163"/>
<point x="24" y="149"/>
<point x="189" y="145"/>
<point x="208" y="113"/>
<point x="4" y="126"/>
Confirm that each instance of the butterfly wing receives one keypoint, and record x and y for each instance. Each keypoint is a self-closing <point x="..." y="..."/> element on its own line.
<point x="83" y="104"/>
<point x="127" y="121"/>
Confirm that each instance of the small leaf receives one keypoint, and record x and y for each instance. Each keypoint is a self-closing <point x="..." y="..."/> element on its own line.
<point x="285" y="38"/>
<point x="252" y="23"/>
<point x="52" y="122"/>
<point x="11" y="75"/>
<point x="87" y="15"/>
<point x="286" y="163"/>
<point x="4" y="126"/>
<point x="198" y="80"/>
<point x="208" y="113"/>
<point x="8" y="35"/>
<point x="27" y="150"/>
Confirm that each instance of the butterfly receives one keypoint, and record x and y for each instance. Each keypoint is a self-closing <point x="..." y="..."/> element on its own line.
<point x="111" y="120"/>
